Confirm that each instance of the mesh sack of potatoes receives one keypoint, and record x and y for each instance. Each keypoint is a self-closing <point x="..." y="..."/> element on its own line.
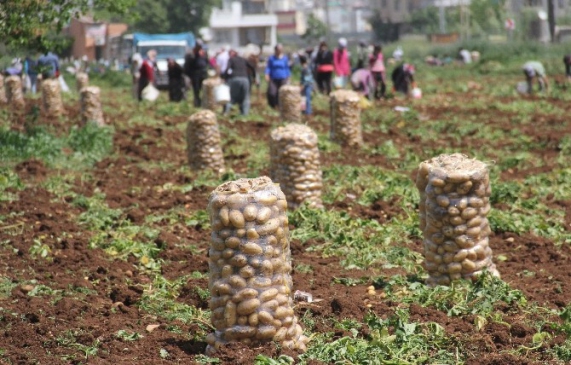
<point x="14" y="93"/>
<point x="3" y="99"/>
<point x="295" y="165"/>
<point x="208" y="96"/>
<point x="250" y="265"/>
<point x="91" y="105"/>
<point x="289" y="102"/>
<point x="203" y="142"/>
<point x="81" y="80"/>
<point x="455" y="201"/>
<point x="52" y="105"/>
<point x="345" y="118"/>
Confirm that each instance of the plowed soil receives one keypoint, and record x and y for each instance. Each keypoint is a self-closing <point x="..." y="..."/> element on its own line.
<point x="108" y="290"/>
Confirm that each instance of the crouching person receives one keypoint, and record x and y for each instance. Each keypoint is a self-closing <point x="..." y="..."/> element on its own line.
<point x="237" y="77"/>
<point x="403" y="78"/>
<point x="535" y="70"/>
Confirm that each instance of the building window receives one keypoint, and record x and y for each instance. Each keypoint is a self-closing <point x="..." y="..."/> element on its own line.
<point x="561" y="4"/>
<point x="383" y="3"/>
<point x="397" y="5"/>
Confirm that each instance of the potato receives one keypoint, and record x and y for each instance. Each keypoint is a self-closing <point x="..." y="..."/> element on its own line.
<point x="224" y="216"/>
<point x="251" y="248"/>
<point x="245" y="294"/>
<point x="236" y="218"/>
<point x="250" y="212"/>
<point x="263" y="215"/>
<point x="232" y="242"/>
<point x="239" y="260"/>
<point x="265" y="332"/>
<point x="230" y="314"/>
<point x="247" y="307"/>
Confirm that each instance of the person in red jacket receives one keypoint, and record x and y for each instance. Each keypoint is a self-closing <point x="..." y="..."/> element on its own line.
<point x="147" y="72"/>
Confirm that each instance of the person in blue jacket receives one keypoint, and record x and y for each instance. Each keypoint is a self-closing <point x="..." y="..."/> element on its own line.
<point x="49" y="65"/>
<point x="277" y="74"/>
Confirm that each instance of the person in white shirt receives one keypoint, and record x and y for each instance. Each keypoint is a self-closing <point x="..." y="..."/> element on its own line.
<point x="222" y="60"/>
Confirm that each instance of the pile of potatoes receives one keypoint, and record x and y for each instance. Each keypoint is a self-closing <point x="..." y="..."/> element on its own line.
<point x="454" y="203"/>
<point x="203" y="142"/>
<point x="91" y="105"/>
<point x="14" y="93"/>
<point x="52" y="104"/>
<point x="290" y="103"/>
<point x="295" y="165"/>
<point x="345" y="118"/>
<point x="208" y="96"/>
<point x="3" y="99"/>
<point x="250" y="265"/>
<point x="81" y="81"/>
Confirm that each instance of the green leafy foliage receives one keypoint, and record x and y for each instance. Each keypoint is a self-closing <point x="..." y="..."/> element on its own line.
<point x="27" y="23"/>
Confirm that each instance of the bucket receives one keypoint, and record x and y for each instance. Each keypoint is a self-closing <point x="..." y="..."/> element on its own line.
<point x="338" y="82"/>
<point x="222" y="94"/>
<point x="416" y="93"/>
<point x="522" y="87"/>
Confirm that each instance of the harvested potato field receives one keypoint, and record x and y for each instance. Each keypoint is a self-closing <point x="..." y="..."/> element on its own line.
<point x="105" y="233"/>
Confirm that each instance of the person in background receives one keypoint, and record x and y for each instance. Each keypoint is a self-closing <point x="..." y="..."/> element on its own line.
<point x="48" y="64"/>
<point x="403" y="78"/>
<point x="363" y="82"/>
<point x="236" y="76"/>
<point x="196" y="68"/>
<point x="176" y="80"/>
<point x="146" y="72"/>
<point x="324" y="68"/>
<point x="567" y="62"/>
<point x="535" y="70"/>
<point x="306" y="83"/>
<point x="136" y="62"/>
<point x="277" y="74"/>
<point x="341" y="64"/>
<point x="361" y="55"/>
<point x="30" y="68"/>
<point x="464" y="56"/>
<point x="15" y="68"/>
<point x="377" y="66"/>
<point x="222" y="60"/>
<point x="398" y="53"/>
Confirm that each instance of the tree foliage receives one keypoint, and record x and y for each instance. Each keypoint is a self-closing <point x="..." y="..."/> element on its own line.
<point x="172" y="16"/>
<point x="28" y="23"/>
<point x="315" y="30"/>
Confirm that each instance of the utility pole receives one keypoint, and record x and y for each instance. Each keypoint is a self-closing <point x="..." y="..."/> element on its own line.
<point x="327" y="19"/>
<point x="551" y="19"/>
<point x="442" y="16"/>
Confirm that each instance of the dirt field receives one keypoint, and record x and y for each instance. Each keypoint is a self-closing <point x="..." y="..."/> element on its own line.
<point x="84" y="303"/>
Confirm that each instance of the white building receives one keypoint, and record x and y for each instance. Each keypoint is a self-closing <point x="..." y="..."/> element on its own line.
<point x="237" y="28"/>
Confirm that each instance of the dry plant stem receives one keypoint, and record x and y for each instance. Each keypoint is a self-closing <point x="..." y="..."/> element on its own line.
<point x="345" y="118"/>
<point x="203" y="142"/>
<point x="454" y="204"/>
<point x="290" y="103"/>
<point x="250" y="265"/>
<point x="91" y="105"/>
<point x="295" y="165"/>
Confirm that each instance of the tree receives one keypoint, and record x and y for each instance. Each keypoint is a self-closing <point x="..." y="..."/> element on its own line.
<point x="172" y="16"/>
<point x="28" y="23"/>
<point x="316" y="29"/>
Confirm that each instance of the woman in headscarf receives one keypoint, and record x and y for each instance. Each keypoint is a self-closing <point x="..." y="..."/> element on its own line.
<point x="324" y="68"/>
<point x="341" y="62"/>
<point x="196" y="68"/>
<point x="176" y="80"/>
<point x="147" y="72"/>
